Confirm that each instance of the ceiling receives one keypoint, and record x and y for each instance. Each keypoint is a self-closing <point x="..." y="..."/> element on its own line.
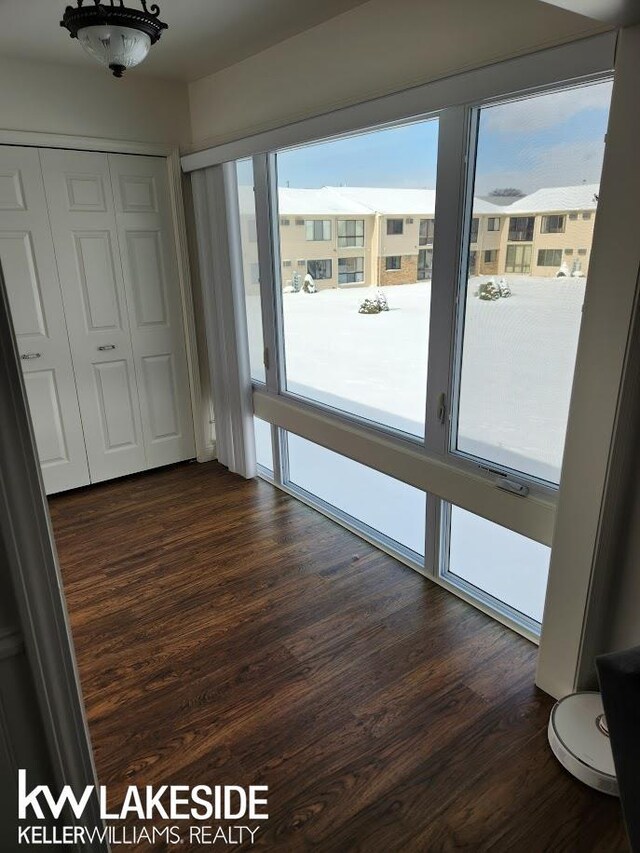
<point x="203" y="36"/>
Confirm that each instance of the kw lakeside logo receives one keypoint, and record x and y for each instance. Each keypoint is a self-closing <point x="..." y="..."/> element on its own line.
<point x="191" y="808"/>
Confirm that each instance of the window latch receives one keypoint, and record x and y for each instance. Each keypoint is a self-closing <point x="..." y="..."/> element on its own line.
<point x="442" y="407"/>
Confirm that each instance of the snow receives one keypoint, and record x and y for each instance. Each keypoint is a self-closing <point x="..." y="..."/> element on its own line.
<point x="517" y="370"/>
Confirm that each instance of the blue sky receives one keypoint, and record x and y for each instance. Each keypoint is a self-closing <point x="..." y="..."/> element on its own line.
<point x="549" y="140"/>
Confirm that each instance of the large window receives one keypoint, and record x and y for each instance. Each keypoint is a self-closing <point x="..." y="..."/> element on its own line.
<point x="350" y="270"/>
<point x="320" y="270"/>
<point x="521" y="228"/>
<point x="426" y="232"/>
<point x="518" y="259"/>
<point x="483" y="405"/>
<point x="553" y="224"/>
<point x="379" y="503"/>
<point x="350" y="233"/>
<point x="519" y="341"/>
<point x="370" y="363"/>
<point x="549" y="257"/>
<point x="495" y="562"/>
<point x="318" y="229"/>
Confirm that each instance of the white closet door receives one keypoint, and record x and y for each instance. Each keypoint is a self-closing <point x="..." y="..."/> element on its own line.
<point x="31" y="277"/>
<point x="80" y="199"/>
<point x="147" y="244"/>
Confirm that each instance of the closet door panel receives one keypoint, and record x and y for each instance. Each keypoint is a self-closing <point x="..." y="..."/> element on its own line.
<point x="31" y="277"/>
<point x="147" y="244"/>
<point x="80" y="198"/>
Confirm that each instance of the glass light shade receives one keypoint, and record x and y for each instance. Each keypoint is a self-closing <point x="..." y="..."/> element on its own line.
<point x="115" y="46"/>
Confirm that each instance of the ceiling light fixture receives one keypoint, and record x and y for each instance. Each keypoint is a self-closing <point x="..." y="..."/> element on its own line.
<point x="114" y="34"/>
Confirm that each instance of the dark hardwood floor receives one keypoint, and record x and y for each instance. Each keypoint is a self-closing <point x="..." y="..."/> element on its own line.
<point x="228" y="634"/>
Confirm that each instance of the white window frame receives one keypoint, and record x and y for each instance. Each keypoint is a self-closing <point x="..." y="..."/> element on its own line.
<point x="325" y="228"/>
<point x="455" y="100"/>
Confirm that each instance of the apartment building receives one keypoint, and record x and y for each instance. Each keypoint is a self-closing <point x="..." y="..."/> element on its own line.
<point x="384" y="236"/>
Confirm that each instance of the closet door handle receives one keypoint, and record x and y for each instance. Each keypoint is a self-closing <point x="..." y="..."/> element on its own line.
<point x="107" y="347"/>
<point x="29" y="355"/>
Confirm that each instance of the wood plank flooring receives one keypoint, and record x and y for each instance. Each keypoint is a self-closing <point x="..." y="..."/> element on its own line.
<point x="228" y="634"/>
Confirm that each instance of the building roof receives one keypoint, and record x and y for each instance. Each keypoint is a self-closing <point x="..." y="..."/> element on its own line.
<point x="548" y="199"/>
<point x="325" y="201"/>
<point x="393" y="201"/>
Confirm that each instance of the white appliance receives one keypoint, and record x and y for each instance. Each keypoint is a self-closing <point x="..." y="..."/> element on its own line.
<point x="579" y="739"/>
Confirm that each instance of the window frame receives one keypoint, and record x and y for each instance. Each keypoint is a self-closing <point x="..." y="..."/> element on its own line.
<point x="528" y="230"/>
<point x="560" y="220"/>
<point x="314" y="223"/>
<point x="327" y="261"/>
<point x="359" y="271"/>
<point x="493" y="219"/>
<point x="426" y="239"/>
<point x="398" y="230"/>
<point x="457" y="480"/>
<point x="395" y="267"/>
<point x="544" y="253"/>
<point x="358" y="239"/>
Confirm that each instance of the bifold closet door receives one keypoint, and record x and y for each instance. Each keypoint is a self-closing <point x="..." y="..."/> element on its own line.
<point x="147" y="246"/>
<point x="31" y="277"/>
<point x="81" y="209"/>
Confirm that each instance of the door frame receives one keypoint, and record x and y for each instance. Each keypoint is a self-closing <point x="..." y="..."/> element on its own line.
<point x="200" y="410"/>
<point x="33" y="567"/>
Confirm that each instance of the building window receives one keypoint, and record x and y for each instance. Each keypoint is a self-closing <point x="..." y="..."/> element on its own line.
<point x="393" y="262"/>
<point x="490" y="256"/>
<point x="299" y="221"/>
<point x="518" y="259"/>
<point x="549" y="257"/>
<point x="568" y="251"/>
<point x="475" y="222"/>
<point x="318" y="229"/>
<point x="493" y="223"/>
<point x="302" y="263"/>
<point x="521" y="228"/>
<point x="319" y="269"/>
<point x="425" y="264"/>
<point x="582" y="251"/>
<point x="285" y="222"/>
<point x="350" y="270"/>
<point x="350" y="233"/>
<point x="426" y="232"/>
<point x="586" y="214"/>
<point x="573" y="216"/>
<point x="286" y="263"/>
<point x="552" y="224"/>
<point x="395" y="226"/>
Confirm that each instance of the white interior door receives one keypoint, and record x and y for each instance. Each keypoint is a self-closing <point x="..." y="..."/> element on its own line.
<point x="81" y="208"/>
<point x="147" y="244"/>
<point x="28" y="263"/>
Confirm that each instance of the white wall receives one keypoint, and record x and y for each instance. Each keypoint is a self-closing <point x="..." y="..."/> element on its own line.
<point x="79" y="102"/>
<point x="374" y="49"/>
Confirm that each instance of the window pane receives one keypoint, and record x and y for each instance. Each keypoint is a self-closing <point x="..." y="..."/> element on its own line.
<point x="498" y="561"/>
<point x="249" y="242"/>
<point x="373" y="189"/>
<point x="382" y="503"/>
<point x="538" y="159"/>
<point x="264" y="444"/>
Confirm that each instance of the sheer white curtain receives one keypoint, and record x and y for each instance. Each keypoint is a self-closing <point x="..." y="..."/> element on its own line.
<point x="215" y="196"/>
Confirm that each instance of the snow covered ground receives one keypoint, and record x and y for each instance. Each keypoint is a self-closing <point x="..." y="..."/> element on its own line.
<point x="517" y="371"/>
